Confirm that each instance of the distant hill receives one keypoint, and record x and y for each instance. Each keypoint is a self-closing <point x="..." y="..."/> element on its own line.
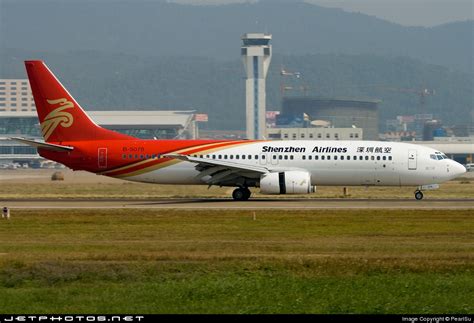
<point x="157" y="29"/>
<point x="103" y="81"/>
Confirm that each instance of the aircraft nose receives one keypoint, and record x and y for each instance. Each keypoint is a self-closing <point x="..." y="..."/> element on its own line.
<point x="458" y="169"/>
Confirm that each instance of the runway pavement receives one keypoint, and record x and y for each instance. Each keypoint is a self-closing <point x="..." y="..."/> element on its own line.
<point x="288" y="204"/>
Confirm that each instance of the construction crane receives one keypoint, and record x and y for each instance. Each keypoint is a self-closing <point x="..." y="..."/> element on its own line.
<point x="286" y="73"/>
<point x="421" y="92"/>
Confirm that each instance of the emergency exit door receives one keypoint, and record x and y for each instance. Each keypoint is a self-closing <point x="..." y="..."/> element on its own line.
<point x="412" y="159"/>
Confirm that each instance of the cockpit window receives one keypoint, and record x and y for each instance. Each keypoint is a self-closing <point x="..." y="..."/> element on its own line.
<point x="438" y="156"/>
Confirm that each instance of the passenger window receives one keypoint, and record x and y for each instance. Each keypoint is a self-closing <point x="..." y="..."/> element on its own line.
<point x="213" y="156"/>
<point x="342" y="157"/>
<point x="130" y="156"/>
<point x="291" y="157"/>
<point x="354" y="157"/>
<point x="322" y="157"/>
<point x="220" y="157"/>
<point x="372" y="157"/>
<point x="147" y="156"/>
<point x="225" y="156"/>
<point x="263" y="156"/>
<point x="316" y="157"/>
<point x="124" y="156"/>
<point x="389" y="157"/>
<point x="303" y="157"/>
<point x="286" y="157"/>
<point x="329" y="157"/>
<point x="366" y="157"/>
<point x="384" y="158"/>
<point x="250" y="157"/>
<point x="280" y="157"/>
<point x="274" y="157"/>
<point x="243" y="156"/>
<point x="236" y="156"/>
<point x="335" y="157"/>
<point x="309" y="157"/>
<point x="378" y="157"/>
<point x="256" y="157"/>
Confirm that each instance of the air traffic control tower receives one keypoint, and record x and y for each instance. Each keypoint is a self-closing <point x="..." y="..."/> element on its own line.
<point x="256" y="54"/>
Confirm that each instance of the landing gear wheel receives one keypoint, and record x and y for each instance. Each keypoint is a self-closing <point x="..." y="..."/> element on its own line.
<point x="240" y="194"/>
<point x="418" y="195"/>
<point x="247" y="193"/>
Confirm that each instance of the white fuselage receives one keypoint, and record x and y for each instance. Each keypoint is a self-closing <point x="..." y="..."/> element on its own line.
<point x="349" y="163"/>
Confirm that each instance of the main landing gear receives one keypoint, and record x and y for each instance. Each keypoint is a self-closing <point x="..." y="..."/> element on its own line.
<point x="241" y="194"/>
<point x="418" y="195"/>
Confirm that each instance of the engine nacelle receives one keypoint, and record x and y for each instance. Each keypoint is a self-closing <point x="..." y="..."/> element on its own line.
<point x="289" y="182"/>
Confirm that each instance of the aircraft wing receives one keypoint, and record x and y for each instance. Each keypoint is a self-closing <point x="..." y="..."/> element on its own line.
<point x="216" y="172"/>
<point x="42" y="144"/>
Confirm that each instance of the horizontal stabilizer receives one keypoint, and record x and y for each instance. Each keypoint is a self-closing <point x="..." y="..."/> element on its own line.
<point x="43" y="145"/>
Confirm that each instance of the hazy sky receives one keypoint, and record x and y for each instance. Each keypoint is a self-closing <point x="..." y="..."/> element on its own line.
<point x="406" y="12"/>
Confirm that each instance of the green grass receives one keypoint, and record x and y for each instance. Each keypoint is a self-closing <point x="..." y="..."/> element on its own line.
<point x="170" y="261"/>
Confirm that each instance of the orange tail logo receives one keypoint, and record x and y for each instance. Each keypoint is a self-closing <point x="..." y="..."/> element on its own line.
<point x="57" y="117"/>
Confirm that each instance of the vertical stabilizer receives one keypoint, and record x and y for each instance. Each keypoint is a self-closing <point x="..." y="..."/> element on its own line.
<point x="60" y="116"/>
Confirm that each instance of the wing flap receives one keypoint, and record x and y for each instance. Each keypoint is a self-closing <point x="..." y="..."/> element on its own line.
<point x="225" y="164"/>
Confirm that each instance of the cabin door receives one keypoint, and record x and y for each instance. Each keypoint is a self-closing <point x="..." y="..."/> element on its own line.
<point x="412" y="159"/>
<point x="102" y="157"/>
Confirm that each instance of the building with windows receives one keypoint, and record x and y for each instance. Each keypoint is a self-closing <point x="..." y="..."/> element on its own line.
<point x="316" y="133"/>
<point x="16" y="96"/>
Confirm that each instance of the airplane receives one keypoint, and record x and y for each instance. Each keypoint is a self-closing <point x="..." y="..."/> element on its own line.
<point x="276" y="167"/>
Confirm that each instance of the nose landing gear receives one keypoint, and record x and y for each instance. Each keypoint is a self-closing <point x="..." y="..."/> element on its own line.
<point x="418" y="195"/>
<point x="428" y="187"/>
<point x="241" y="194"/>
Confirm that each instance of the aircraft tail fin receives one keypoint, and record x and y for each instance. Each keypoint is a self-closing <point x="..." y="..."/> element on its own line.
<point x="60" y="116"/>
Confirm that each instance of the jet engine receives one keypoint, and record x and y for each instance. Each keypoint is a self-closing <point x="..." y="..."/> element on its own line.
<point x="289" y="182"/>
